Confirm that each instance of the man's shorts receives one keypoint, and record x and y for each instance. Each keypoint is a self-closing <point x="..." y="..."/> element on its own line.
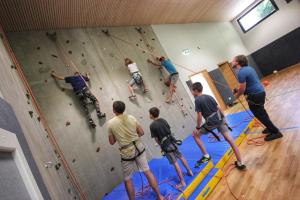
<point x="173" y="78"/>
<point x="141" y="163"/>
<point x="222" y="128"/>
<point x="173" y="156"/>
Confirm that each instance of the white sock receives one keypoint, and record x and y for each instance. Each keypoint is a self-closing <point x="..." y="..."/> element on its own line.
<point x="206" y="155"/>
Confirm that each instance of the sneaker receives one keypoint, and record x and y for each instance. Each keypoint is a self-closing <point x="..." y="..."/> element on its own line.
<point x="273" y="136"/>
<point x="202" y="161"/>
<point x="101" y="115"/>
<point x="92" y="124"/>
<point x="265" y="131"/>
<point x="239" y="166"/>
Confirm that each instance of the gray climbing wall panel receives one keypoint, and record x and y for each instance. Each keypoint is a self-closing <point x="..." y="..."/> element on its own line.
<point x="95" y="163"/>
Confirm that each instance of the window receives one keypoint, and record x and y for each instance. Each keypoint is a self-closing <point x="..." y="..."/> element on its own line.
<point x="257" y="14"/>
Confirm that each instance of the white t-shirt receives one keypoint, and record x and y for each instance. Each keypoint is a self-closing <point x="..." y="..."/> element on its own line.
<point x="133" y="68"/>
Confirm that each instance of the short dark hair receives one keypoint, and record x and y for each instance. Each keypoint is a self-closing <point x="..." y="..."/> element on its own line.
<point x="242" y="60"/>
<point x="161" y="59"/>
<point x="197" y="86"/>
<point x="119" y="107"/>
<point x="154" y="112"/>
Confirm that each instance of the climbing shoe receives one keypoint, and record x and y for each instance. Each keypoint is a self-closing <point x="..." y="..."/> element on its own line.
<point x="273" y="136"/>
<point x="101" y="115"/>
<point x="92" y="124"/>
<point x="239" y="166"/>
<point x="202" y="161"/>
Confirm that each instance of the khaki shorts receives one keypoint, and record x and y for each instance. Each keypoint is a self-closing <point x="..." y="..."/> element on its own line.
<point x="141" y="163"/>
<point x="173" y="78"/>
<point x="222" y="128"/>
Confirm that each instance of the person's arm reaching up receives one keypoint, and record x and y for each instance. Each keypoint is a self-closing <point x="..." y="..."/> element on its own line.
<point x="54" y="75"/>
<point x="153" y="63"/>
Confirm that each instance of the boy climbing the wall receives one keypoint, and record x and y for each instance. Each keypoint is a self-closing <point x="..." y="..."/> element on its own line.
<point x="161" y="132"/>
<point x="126" y="130"/>
<point x="79" y="85"/>
<point x="207" y="107"/>
<point x="137" y="78"/>
<point x="173" y="75"/>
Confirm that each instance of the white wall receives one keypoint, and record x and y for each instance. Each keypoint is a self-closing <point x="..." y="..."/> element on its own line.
<point x="218" y="42"/>
<point x="286" y="19"/>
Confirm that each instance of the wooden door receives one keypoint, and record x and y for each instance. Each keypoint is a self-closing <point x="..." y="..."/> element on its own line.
<point x="228" y="74"/>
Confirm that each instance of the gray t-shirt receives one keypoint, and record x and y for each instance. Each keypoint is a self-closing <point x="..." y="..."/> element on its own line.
<point x="206" y="105"/>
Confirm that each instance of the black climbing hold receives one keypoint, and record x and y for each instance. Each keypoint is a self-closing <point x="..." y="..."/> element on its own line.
<point x="67" y="41"/>
<point x="153" y="38"/>
<point x="161" y="79"/>
<point x="70" y="52"/>
<point x="51" y="36"/>
<point x="144" y="52"/>
<point x="47" y="136"/>
<point x="101" y="88"/>
<point x="38" y="48"/>
<point x="191" y="107"/>
<point x="69" y="191"/>
<point x="68" y="123"/>
<point x="137" y="45"/>
<point x="112" y="169"/>
<point x="67" y="177"/>
<point x="63" y="89"/>
<point x="148" y="45"/>
<point x="30" y="113"/>
<point x="46" y="81"/>
<point x="141" y="40"/>
<point x="40" y="62"/>
<point x="106" y="32"/>
<point x="53" y="55"/>
<point x="73" y="160"/>
<point x="13" y="67"/>
<point x="82" y="54"/>
<point x="28" y="102"/>
<point x="98" y="149"/>
<point x="28" y="96"/>
<point x="83" y="43"/>
<point x="181" y="99"/>
<point x="57" y="166"/>
<point x="144" y="32"/>
<point x="183" y="126"/>
<point x="38" y="118"/>
<point x="75" y="197"/>
<point x="70" y="104"/>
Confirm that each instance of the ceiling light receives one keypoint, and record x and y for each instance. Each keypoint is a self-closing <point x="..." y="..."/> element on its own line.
<point x="186" y="52"/>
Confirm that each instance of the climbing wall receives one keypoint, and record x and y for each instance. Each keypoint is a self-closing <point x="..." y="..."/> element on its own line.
<point x="95" y="163"/>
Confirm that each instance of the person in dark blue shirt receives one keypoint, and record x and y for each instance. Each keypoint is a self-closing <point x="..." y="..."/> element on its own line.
<point x="81" y="89"/>
<point x="250" y="85"/>
<point x="173" y="74"/>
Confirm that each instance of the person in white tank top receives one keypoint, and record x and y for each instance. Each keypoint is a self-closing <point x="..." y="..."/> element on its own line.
<point x="137" y="78"/>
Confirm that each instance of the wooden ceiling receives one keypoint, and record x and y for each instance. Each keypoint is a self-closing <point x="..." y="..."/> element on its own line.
<point x="24" y="15"/>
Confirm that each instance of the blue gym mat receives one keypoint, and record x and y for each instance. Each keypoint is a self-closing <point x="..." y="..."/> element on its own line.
<point x="166" y="174"/>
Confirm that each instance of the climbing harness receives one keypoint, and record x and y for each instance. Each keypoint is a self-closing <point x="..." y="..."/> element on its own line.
<point x="169" y="144"/>
<point x="137" y="77"/>
<point x="139" y="152"/>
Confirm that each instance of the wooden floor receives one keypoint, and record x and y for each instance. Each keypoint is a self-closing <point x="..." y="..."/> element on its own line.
<point x="273" y="170"/>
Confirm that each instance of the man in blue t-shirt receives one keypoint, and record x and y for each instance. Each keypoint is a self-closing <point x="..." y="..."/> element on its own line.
<point x="79" y="85"/>
<point x="173" y="74"/>
<point x="249" y="84"/>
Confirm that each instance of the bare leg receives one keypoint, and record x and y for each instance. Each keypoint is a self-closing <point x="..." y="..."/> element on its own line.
<point x="179" y="173"/>
<point x="130" y="88"/>
<point x="171" y="92"/>
<point x="153" y="183"/>
<point x="185" y="164"/>
<point x="200" y="143"/>
<point x="234" y="147"/>
<point x="130" y="189"/>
